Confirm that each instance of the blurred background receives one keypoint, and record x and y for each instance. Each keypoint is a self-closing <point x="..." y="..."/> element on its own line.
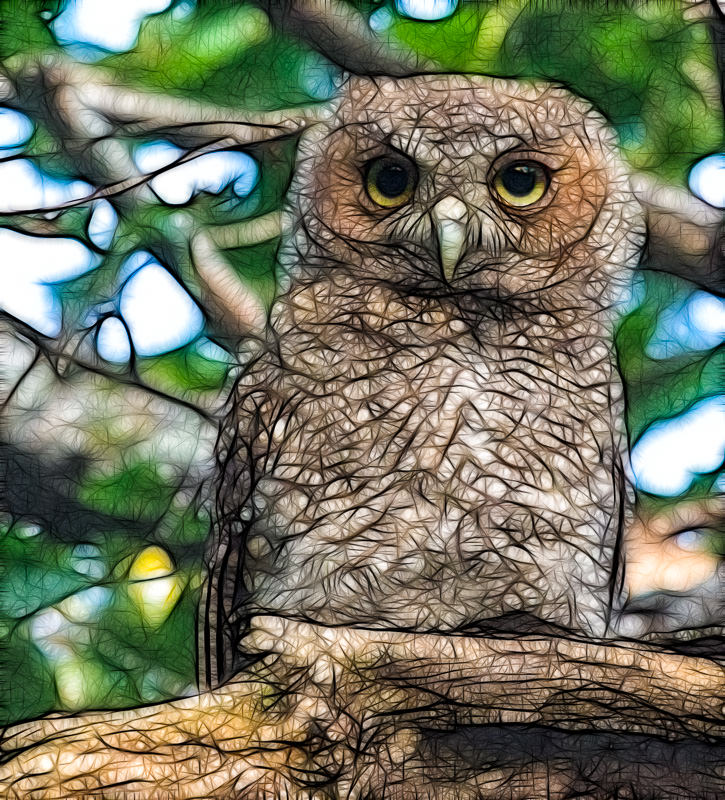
<point x="115" y="362"/>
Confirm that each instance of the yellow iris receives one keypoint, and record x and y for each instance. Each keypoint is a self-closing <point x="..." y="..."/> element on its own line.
<point x="390" y="181"/>
<point x="521" y="183"/>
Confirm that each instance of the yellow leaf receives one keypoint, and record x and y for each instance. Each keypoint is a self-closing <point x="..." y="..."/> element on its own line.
<point x="151" y="562"/>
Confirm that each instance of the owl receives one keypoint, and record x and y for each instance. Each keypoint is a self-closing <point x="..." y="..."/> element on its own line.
<point x="429" y="435"/>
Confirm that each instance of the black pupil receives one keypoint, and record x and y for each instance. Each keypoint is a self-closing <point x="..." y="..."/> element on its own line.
<point x="391" y="179"/>
<point x="519" y="179"/>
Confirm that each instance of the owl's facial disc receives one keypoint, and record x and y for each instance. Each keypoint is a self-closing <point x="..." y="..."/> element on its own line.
<point x="457" y="190"/>
<point x="518" y="185"/>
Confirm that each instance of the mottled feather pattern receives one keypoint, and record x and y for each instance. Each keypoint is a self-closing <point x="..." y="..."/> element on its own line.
<point x="412" y="453"/>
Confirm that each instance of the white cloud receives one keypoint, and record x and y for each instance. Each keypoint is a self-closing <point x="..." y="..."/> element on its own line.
<point x="15" y="128"/>
<point x="211" y="172"/>
<point x="24" y="186"/>
<point x="54" y="630"/>
<point x="707" y="180"/>
<point x="159" y="312"/>
<point x="135" y="261"/>
<point x="381" y="19"/>
<point x="183" y="9"/>
<point x="317" y="77"/>
<point x="47" y="623"/>
<point x="86" y="559"/>
<point x="211" y="351"/>
<point x="693" y="541"/>
<point x="109" y="24"/>
<point x="102" y="224"/>
<point x="698" y="323"/>
<point x="30" y="265"/>
<point x="112" y="341"/>
<point x="85" y="605"/>
<point x="671" y="453"/>
<point x="155" y="155"/>
<point x="426" y="9"/>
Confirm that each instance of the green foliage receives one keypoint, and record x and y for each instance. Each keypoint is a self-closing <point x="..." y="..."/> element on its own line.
<point x="650" y="71"/>
<point x="136" y="491"/>
<point x="659" y="388"/>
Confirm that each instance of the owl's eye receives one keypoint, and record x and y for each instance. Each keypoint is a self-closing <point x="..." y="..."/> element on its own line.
<point x="521" y="183"/>
<point x="390" y="181"/>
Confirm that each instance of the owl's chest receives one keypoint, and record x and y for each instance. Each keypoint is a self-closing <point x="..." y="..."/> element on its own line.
<point x="420" y="480"/>
<point x="455" y="420"/>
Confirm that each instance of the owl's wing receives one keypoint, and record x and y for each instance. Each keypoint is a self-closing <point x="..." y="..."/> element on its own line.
<point x="243" y="448"/>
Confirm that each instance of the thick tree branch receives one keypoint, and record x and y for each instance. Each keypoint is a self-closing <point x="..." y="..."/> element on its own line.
<point x="79" y="87"/>
<point x="685" y="235"/>
<point x="343" y="35"/>
<point x="351" y="712"/>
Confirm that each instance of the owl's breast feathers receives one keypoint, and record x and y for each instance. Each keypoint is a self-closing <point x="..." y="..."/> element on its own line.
<point x="435" y="434"/>
<point x="405" y="472"/>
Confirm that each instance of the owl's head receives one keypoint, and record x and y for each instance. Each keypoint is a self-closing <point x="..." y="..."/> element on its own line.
<point x="455" y="185"/>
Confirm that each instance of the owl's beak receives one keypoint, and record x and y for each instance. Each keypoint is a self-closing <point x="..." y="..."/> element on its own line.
<point x="450" y="218"/>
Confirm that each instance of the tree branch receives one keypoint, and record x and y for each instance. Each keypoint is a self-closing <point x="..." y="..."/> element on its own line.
<point x="343" y="35"/>
<point x="80" y="86"/>
<point x="685" y="235"/>
<point x="354" y="712"/>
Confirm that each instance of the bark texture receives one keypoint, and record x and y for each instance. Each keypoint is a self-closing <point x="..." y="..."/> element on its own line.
<point x="352" y="713"/>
